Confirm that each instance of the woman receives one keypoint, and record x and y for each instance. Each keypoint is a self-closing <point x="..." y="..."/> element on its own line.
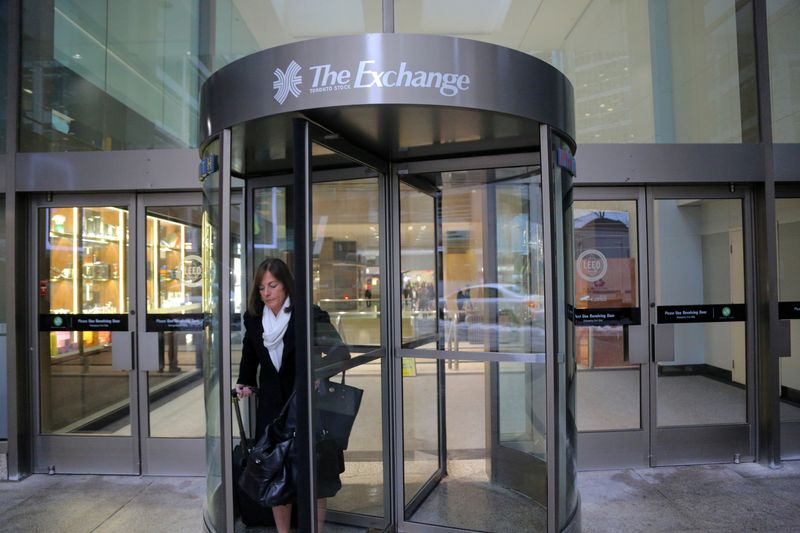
<point x="268" y="351"/>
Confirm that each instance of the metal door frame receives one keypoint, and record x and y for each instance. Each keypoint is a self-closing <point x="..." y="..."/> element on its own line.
<point x="789" y="430"/>
<point x="441" y="408"/>
<point x="160" y="455"/>
<point x="709" y="443"/>
<point x="86" y="454"/>
<point x="624" y="448"/>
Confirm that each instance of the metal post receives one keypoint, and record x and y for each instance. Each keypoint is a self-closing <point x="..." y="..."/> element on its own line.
<point x="19" y="416"/>
<point x="306" y="493"/>
<point x="765" y="224"/>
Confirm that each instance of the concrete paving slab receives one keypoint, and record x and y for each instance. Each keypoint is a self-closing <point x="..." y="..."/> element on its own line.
<point x="71" y="504"/>
<point x="640" y="515"/>
<point x="601" y="486"/>
<point x="165" y="505"/>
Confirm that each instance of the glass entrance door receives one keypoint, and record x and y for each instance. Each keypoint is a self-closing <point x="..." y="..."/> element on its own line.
<point x="611" y="331"/>
<point x="120" y="392"/>
<point x="662" y="322"/>
<point x="788" y="216"/>
<point x="701" y="373"/>
<point x="170" y="347"/>
<point x="86" y="419"/>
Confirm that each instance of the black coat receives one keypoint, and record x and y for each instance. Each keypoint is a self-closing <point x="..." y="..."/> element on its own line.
<point x="275" y="387"/>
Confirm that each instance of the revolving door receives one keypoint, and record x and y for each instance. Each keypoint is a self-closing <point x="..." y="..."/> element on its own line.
<point x="432" y="237"/>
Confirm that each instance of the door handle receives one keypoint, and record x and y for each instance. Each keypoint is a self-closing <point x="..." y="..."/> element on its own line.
<point x="663" y="343"/>
<point x="122" y="350"/>
<point x="784" y="339"/>
<point x="638" y="352"/>
<point x="148" y="351"/>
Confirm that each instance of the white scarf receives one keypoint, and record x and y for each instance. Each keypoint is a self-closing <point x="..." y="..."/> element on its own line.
<point x="274" y="330"/>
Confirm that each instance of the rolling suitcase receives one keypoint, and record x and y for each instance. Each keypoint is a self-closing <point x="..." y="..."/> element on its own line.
<point x="251" y="513"/>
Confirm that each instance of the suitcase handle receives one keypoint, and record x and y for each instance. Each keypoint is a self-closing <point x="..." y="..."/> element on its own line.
<point x="238" y="411"/>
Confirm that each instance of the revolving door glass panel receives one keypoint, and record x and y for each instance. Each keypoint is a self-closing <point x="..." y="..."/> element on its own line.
<point x="347" y="353"/>
<point x="215" y="511"/>
<point x="485" y="349"/>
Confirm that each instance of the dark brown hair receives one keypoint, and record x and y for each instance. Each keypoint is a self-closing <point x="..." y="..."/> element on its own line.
<point x="280" y="271"/>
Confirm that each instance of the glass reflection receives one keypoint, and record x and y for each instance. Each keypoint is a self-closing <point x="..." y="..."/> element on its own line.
<point x="84" y="258"/>
<point x="606" y="261"/>
<point x="474" y="487"/>
<point x="471" y="255"/>
<point x="346" y="268"/>
<point x="348" y="358"/>
<point x="174" y="295"/>
<point x="420" y="424"/>
<point x="639" y="69"/>
<point x="243" y="28"/>
<point x="102" y="75"/>
<point x="492" y="266"/>
<point x="783" y="19"/>
<point x="418" y="264"/>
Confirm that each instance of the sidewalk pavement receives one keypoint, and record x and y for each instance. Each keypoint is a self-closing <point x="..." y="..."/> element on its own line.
<point x="746" y="497"/>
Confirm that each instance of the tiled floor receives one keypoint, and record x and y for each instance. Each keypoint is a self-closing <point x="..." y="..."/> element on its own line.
<point x="717" y="498"/>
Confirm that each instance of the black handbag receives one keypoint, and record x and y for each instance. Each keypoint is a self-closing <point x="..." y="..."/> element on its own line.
<point x="337" y="406"/>
<point x="269" y="477"/>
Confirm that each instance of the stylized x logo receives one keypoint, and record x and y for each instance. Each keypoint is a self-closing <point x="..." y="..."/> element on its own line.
<point x="287" y="82"/>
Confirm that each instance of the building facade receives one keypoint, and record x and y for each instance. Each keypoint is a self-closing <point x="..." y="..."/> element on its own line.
<point x="685" y="214"/>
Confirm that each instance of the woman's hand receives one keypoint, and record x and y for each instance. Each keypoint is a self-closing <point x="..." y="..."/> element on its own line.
<point x="243" y="391"/>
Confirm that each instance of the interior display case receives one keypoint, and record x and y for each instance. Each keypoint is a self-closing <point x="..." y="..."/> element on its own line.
<point x="174" y="267"/>
<point x="85" y="258"/>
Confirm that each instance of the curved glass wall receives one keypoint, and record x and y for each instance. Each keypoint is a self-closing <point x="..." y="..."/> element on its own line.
<point x="665" y="71"/>
<point x="783" y="20"/>
<point x="213" y="386"/>
<point x="483" y="411"/>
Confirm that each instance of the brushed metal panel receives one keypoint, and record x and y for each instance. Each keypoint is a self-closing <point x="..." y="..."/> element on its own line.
<point x="613" y="449"/>
<point x="663" y="342"/>
<point x="174" y="457"/>
<point x="342" y="71"/>
<point x="786" y="158"/>
<point x="783" y="346"/>
<point x="790" y="441"/>
<point x="87" y="455"/>
<point x="121" y="170"/>
<point x="638" y="347"/>
<point x="618" y="164"/>
<point x="700" y="445"/>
